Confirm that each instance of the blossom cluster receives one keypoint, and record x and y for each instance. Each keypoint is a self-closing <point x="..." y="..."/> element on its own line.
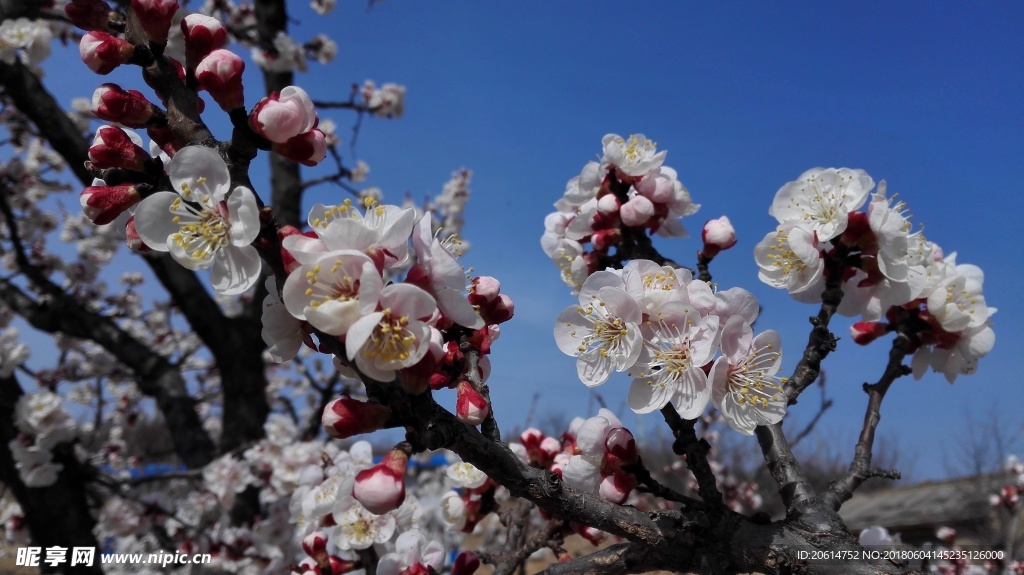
<point x="888" y="270"/>
<point x="664" y="329"/>
<point x="43" y="422"/>
<point x="628" y="188"/>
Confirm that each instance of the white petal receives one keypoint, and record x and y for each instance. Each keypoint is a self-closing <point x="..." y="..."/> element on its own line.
<point x="244" y="214"/>
<point x="693" y="394"/>
<point x="359" y="332"/>
<point x="193" y="163"/>
<point x="153" y="220"/>
<point x="591" y="436"/>
<point x="650" y="393"/>
<point x="235" y="269"/>
<point x="593" y="368"/>
<point x="457" y="308"/>
<point x="334" y="317"/>
<point x="582" y="474"/>
<point x="409" y="300"/>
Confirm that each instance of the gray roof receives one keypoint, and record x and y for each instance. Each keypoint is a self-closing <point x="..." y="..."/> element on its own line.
<point x="931" y="503"/>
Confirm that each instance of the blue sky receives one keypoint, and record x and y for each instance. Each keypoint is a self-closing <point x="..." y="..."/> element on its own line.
<point x="744" y="96"/>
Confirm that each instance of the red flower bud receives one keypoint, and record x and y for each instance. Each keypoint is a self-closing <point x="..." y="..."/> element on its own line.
<point x="128" y="107"/>
<point x="865" y="332"/>
<point x="466" y="563"/>
<point x="315" y="545"/>
<point x="89" y="14"/>
<point x="345" y="417"/>
<point x="155" y="17"/>
<point x="470" y="406"/>
<point x="308" y="149"/>
<point x="102" y="52"/>
<point x="281" y="117"/>
<point x="203" y="34"/>
<point x="621" y="444"/>
<point x="133" y="240"/>
<point x="220" y="72"/>
<point x="102" y="204"/>
<point x="113" y="148"/>
<point x="381" y="488"/>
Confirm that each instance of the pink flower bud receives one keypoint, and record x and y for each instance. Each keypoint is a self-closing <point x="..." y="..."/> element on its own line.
<point x="500" y="310"/>
<point x="315" y="545"/>
<point x="718" y="235"/>
<point x="550" y="447"/>
<point x="865" y="332"/>
<point x="202" y="34"/>
<point x="483" y="290"/>
<point x="616" y="487"/>
<point x="636" y="211"/>
<point x="155" y="17"/>
<point x="531" y="438"/>
<point x="102" y="204"/>
<point x="381" y="488"/>
<point x="102" y="52"/>
<point x="127" y="107"/>
<point x="132" y="238"/>
<point x="113" y="148"/>
<point x="345" y="417"/>
<point x="281" y="117"/>
<point x="340" y="566"/>
<point x="608" y="204"/>
<point x="621" y="444"/>
<point x="308" y="149"/>
<point x="604" y="239"/>
<point x="466" y="563"/>
<point x="470" y="406"/>
<point x="220" y="72"/>
<point x="89" y="14"/>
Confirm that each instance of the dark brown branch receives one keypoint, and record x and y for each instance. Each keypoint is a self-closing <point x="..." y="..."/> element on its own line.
<point x="703" y="273"/>
<point x="860" y="468"/>
<point x="646" y="483"/>
<point x="617" y="559"/>
<point x="57" y="515"/>
<point x="696" y="452"/>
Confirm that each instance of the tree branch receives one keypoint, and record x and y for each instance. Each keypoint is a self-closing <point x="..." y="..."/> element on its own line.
<point x="860" y="468"/>
<point x="617" y="559"/>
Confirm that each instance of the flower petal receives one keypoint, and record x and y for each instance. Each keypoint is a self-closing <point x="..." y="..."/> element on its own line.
<point x="235" y="269"/>
<point x="153" y="220"/>
<point x="244" y="214"/>
<point x="202" y="171"/>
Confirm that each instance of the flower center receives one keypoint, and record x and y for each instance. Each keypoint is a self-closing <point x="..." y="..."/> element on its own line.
<point x="637" y="150"/>
<point x="391" y="339"/>
<point x="782" y="257"/>
<point x="336" y="284"/>
<point x="749" y="381"/>
<point x="202" y="231"/>
<point x="607" y="332"/>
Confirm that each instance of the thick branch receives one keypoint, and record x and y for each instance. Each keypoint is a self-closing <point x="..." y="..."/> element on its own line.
<point x="860" y="468"/>
<point x="57" y="515"/>
<point x="696" y="451"/>
<point x="617" y="559"/>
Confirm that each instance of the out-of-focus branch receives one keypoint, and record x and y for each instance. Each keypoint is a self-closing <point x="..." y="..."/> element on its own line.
<point x="617" y="559"/>
<point x="860" y="468"/>
<point x="57" y="515"/>
<point x="648" y="484"/>
<point x="825" y="405"/>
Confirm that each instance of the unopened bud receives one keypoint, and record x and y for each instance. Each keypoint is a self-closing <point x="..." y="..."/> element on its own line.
<point x="470" y="406"/>
<point x="315" y="545"/>
<point x="89" y="14"/>
<point x="112" y="147"/>
<point x="718" y="235"/>
<point x="621" y="444"/>
<point x="637" y="211"/>
<point x="155" y="17"/>
<point x="308" y="149"/>
<point x="466" y="563"/>
<point x="220" y="72"/>
<point x="381" y="488"/>
<point x="281" y="117"/>
<point x="102" y="204"/>
<point x="102" y="52"/>
<point x="617" y="486"/>
<point x="203" y="34"/>
<point x="133" y="240"/>
<point x="483" y="290"/>
<point x="345" y="417"/>
<point x="127" y="107"/>
<point x="865" y="332"/>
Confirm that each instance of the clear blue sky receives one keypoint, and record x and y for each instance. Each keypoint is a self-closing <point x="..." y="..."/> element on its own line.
<point x="744" y="96"/>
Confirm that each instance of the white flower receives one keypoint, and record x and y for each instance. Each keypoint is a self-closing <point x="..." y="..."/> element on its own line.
<point x="444" y="276"/>
<point x="743" y="381"/>
<point x="789" y="258"/>
<point x="635" y="156"/>
<point x="821" y="199"/>
<point x="453" y="510"/>
<point x="34" y="464"/>
<point x="957" y="302"/>
<point x="568" y="256"/>
<point x="42" y="415"/>
<point x="892" y="232"/>
<point x="395" y="337"/>
<point x="281" y="332"/>
<point x="201" y="225"/>
<point x="669" y="369"/>
<point x="959" y="354"/>
<point x="226" y="477"/>
<point x="463" y="474"/>
<point x="382" y="233"/>
<point x="602" y="331"/>
<point x="334" y="290"/>
<point x="359" y="529"/>
<point x="411" y="549"/>
<point x="12" y="352"/>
